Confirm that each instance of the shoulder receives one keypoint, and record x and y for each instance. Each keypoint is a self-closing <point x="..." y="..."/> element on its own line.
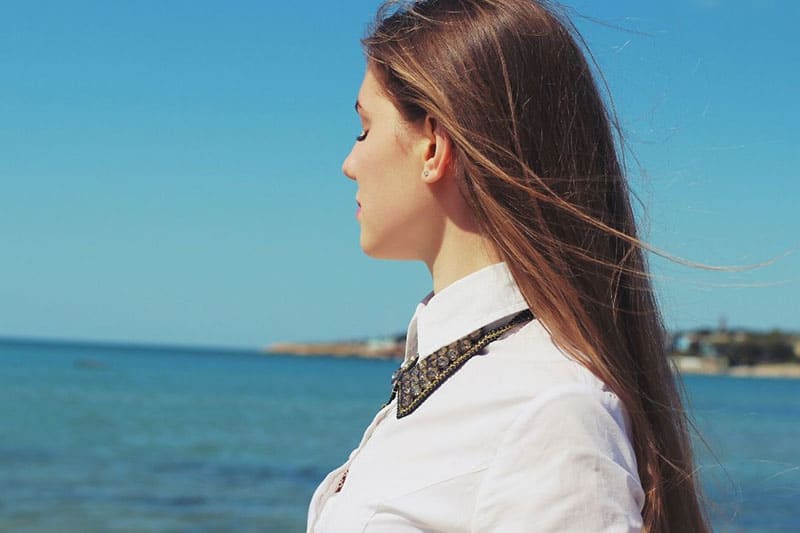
<point x="526" y="366"/>
<point x="562" y="455"/>
<point x="523" y="377"/>
<point x="565" y="463"/>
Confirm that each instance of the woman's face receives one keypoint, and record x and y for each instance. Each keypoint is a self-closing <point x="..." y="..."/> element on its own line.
<point x="397" y="212"/>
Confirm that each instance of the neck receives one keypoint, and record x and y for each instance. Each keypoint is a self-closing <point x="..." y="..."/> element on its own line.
<point x="461" y="253"/>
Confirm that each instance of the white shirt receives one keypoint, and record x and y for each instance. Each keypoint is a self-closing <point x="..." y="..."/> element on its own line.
<point x="521" y="438"/>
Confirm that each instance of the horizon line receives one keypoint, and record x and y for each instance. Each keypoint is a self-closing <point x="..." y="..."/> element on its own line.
<point x="128" y="345"/>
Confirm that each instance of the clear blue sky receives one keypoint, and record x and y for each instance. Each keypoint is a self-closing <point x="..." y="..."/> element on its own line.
<point x="171" y="170"/>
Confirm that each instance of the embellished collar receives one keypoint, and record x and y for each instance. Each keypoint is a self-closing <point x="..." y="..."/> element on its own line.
<point x="475" y="301"/>
<point x="418" y="378"/>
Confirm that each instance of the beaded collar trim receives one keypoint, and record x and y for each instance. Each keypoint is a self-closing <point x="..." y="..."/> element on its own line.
<point x="416" y="379"/>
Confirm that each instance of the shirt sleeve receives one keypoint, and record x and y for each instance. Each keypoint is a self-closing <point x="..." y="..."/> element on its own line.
<point x="565" y="464"/>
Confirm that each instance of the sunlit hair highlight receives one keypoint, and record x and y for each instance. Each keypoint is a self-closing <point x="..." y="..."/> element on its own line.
<point x="537" y="162"/>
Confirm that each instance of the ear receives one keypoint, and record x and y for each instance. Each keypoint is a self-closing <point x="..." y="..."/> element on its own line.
<point x="439" y="152"/>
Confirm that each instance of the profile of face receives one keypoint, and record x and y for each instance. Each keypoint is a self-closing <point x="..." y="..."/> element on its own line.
<point x="397" y="209"/>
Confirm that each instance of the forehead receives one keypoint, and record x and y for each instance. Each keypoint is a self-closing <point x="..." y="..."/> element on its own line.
<point x="371" y="92"/>
<point x="375" y="106"/>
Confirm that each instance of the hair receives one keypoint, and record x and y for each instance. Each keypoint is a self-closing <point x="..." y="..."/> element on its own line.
<point x="537" y="162"/>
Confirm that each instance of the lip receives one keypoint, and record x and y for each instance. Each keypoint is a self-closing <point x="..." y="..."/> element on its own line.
<point x="358" y="209"/>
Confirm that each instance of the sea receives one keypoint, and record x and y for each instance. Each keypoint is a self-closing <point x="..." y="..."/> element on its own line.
<point x="150" y="439"/>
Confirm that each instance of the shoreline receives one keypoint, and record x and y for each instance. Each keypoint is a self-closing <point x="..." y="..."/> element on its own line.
<point x="763" y="370"/>
<point x="338" y="350"/>
<point x="685" y="365"/>
<point x="718" y="366"/>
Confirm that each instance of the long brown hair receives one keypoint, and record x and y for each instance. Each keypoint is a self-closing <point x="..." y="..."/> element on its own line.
<point x="538" y="163"/>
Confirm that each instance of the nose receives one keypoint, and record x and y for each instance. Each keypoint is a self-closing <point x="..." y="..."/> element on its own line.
<point x="347" y="166"/>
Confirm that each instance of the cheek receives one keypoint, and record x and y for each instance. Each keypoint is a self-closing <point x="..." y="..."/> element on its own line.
<point x="397" y="186"/>
<point x="388" y="177"/>
<point x="404" y="201"/>
<point x="382" y="172"/>
<point x="398" y="220"/>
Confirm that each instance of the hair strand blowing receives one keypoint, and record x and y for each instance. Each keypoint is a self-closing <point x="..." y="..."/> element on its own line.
<point x="538" y="164"/>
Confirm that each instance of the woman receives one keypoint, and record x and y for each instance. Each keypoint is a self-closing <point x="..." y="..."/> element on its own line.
<point x="536" y="393"/>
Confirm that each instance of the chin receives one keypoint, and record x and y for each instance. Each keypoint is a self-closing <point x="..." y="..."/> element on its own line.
<point x="379" y="250"/>
<point x="373" y="251"/>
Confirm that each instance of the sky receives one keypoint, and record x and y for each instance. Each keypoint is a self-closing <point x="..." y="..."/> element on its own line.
<point x="171" y="171"/>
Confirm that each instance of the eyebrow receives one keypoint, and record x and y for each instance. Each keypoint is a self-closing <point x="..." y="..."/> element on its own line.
<point x="358" y="106"/>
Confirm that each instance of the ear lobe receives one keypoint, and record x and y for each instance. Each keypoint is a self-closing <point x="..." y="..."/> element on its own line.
<point x="438" y="158"/>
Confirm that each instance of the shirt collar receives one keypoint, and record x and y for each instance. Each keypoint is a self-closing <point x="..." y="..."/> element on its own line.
<point x="474" y="301"/>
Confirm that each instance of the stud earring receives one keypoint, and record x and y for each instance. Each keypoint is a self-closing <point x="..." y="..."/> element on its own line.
<point x="426" y="173"/>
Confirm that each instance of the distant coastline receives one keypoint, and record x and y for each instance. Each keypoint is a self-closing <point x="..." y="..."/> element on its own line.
<point x="361" y="349"/>
<point x="394" y="348"/>
<point x="695" y="365"/>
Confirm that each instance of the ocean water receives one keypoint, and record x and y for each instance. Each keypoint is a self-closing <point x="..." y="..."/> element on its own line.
<point x="99" y="439"/>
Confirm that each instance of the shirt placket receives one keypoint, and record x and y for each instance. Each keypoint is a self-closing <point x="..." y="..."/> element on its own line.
<point x="335" y="481"/>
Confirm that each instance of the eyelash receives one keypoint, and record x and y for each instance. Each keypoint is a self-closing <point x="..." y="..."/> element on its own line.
<point x="361" y="136"/>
